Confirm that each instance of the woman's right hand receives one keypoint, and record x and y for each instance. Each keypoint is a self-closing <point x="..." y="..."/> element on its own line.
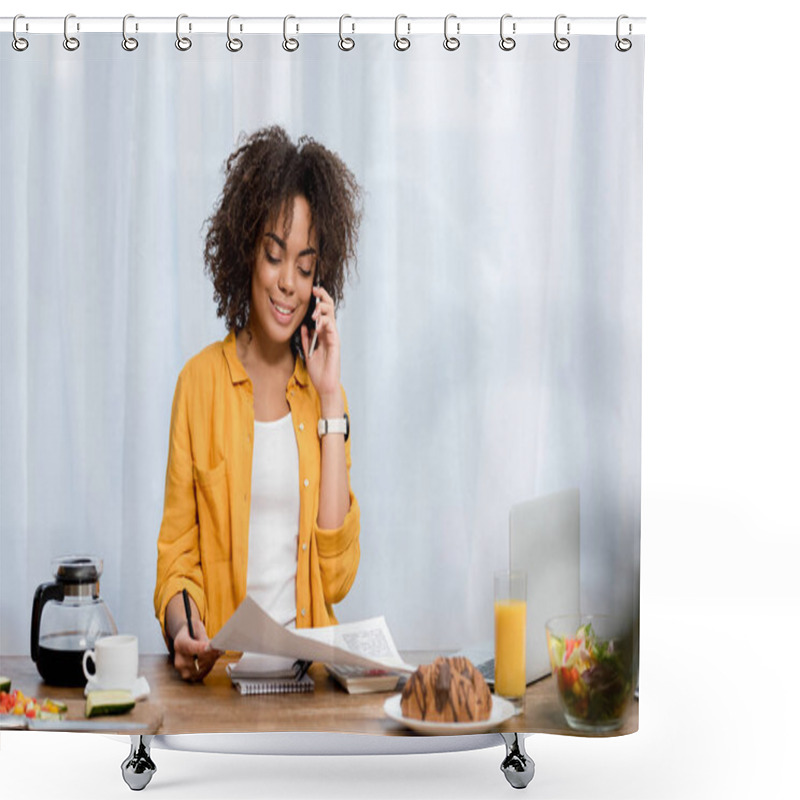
<point x="188" y="649"/>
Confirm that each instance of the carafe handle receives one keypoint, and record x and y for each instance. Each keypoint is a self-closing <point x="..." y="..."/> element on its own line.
<point x="45" y="592"/>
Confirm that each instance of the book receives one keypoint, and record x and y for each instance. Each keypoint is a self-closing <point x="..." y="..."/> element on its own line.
<point x="360" y="680"/>
<point x="256" y="673"/>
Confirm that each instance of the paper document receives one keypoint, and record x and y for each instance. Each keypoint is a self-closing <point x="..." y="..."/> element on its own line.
<point x="360" y="644"/>
<point x="258" y="665"/>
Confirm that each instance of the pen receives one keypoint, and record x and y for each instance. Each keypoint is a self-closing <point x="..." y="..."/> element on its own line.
<point x="189" y="622"/>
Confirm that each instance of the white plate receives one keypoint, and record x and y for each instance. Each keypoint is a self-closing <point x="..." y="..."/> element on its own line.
<point x="501" y="711"/>
<point x="140" y="688"/>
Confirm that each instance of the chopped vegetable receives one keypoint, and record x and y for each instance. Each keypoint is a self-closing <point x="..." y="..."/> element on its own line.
<point x="19" y="704"/>
<point x="54" y="706"/>
<point x="593" y="677"/>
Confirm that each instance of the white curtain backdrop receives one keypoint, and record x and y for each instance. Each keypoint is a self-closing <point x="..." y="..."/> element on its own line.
<point x="491" y="340"/>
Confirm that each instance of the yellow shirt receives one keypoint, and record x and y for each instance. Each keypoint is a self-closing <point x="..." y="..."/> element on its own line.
<point x="203" y="542"/>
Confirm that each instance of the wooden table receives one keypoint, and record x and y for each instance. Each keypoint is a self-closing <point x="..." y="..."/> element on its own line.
<point x="214" y="706"/>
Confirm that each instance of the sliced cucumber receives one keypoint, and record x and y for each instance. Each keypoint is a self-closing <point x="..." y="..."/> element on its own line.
<point x="108" y="701"/>
<point x="5" y="684"/>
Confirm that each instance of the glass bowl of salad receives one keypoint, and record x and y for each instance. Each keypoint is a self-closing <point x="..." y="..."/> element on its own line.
<point x="591" y="659"/>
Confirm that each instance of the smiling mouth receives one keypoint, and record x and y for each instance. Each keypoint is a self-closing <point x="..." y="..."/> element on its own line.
<point x="284" y="311"/>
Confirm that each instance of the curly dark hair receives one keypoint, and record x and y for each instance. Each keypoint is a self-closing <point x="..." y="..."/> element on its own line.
<point x="263" y="175"/>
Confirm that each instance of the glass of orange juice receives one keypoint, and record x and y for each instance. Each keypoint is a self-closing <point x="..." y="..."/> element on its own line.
<point x="510" y="608"/>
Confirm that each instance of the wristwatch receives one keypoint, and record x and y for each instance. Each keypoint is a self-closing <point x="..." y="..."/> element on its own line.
<point x="340" y="425"/>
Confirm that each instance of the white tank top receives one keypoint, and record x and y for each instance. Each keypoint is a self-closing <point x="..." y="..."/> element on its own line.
<point x="274" y="520"/>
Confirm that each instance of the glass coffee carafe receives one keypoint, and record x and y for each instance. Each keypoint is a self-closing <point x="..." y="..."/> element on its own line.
<point x="68" y="617"/>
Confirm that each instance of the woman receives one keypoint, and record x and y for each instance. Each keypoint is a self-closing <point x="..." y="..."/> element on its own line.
<point x="257" y="496"/>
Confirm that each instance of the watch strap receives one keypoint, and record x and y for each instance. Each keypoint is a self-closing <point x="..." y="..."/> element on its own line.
<point x="335" y="425"/>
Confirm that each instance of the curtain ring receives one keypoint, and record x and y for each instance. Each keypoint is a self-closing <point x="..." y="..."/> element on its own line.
<point x="346" y="43"/>
<point x="183" y="43"/>
<point x="289" y="45"/>
<point x="506" y="42"/>
<point x="128" y="42"/>
<point x="451" y="42"/>
<point x="18" y="43"/>
<point x="400" y="42"/>
<point x="70" y="42"/>
<point x="561" y="43"/>
<point x="623" y="45"/>
<point x="234" y="45"/>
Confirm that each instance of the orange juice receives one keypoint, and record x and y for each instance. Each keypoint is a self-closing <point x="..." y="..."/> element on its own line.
<point x="509" y="647"/>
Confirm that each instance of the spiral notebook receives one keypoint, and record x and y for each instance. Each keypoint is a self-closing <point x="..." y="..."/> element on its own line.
<point x="274" y="685"/>
<point x="255" y="673"/>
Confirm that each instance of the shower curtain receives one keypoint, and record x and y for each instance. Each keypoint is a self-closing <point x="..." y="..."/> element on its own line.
<point x="491" y="335"/>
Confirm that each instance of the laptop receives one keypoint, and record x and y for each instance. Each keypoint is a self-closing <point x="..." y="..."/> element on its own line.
<point x="544" y="541"/>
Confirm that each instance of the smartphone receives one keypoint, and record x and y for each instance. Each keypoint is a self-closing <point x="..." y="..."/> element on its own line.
<point x="311" y="323"/>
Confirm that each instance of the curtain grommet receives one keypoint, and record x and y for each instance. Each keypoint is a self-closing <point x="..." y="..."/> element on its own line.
<point x="183" y="43"/>
<point x="18" y="42"/>
<point x="561" y="43"/>
<point x="128" y="42"/>
<point x="451" y="43"/>
<point x="346" y="44"/>
<point x="401" y="43"/>
<point x="507" y="43"/>
<point x="289" y="44"/>
<point x="234" y="45"/>
<point x="71" y="43"/>
<point x="623" y="45"/>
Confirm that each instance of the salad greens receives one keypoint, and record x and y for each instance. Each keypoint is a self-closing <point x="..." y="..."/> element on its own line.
<point x="593" y="676"/>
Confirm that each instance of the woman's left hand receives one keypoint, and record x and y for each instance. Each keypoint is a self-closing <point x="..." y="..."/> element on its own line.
<point x="323" y="364"/>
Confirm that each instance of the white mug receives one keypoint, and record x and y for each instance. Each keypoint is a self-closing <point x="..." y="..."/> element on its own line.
<point x="116" y="662"/>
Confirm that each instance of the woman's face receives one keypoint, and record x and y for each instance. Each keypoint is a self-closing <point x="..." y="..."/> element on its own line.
<point x="283" y="274"/>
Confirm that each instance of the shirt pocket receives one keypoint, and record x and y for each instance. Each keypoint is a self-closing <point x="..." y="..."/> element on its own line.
<point x="213" y="512"/>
